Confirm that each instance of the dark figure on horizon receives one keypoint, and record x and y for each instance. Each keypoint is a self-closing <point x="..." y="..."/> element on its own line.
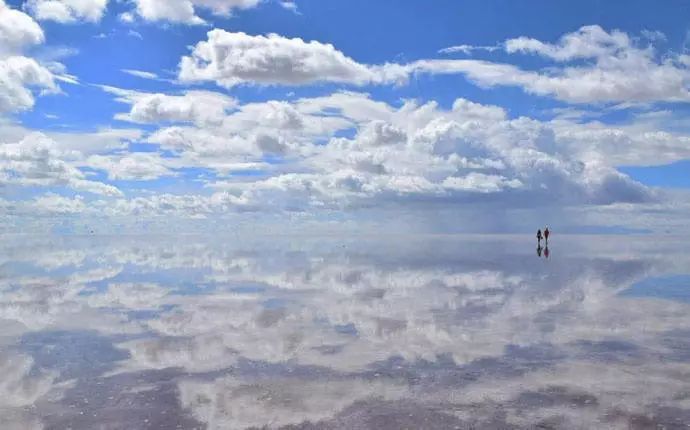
<point x="546" y="234"/>
<point x="539" y="236"/>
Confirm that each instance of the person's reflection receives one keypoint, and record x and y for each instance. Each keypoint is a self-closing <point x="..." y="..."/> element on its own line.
<point x="543" y="251"/>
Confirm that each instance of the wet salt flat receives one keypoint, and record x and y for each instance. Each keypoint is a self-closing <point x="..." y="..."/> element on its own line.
<point x="467" y="332"/>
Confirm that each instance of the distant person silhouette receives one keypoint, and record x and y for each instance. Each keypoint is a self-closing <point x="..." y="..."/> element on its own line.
<point x="546" y="234"/>
<point x="546" y="252"/>
<point x="539" y="250"/>
<point x="539" y="236"/>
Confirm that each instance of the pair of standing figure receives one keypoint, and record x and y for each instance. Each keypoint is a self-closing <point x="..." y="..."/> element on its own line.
<point x="545" y="235"/>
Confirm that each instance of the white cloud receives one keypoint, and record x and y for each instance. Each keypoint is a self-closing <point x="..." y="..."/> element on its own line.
<point x="83" y="142"/>
<point x="185" y="11"/>
<point x="55" y="204"/>
<point x="170" y="205"/>
<point x="467" y="49"/>
<point x="174" y="11"/>
<point x="18" y="76"/>
<point x="588" y="42"/>
<point x="481" y="183"/>
<point x="17" y="30"/>
<point x="641" y="142"/>
<point x="67" y="11"/>
<point x="36" y="161"/>
<point x="650" y="82"/>
<point x="424" y="150"/>
<point x="620" y="72"/>
<point x="241" y="137"/>
<point x="21" y="76"/>
<point x="409" y="154"/>
<point x="199" y="107"/>
<point x="290" y="5"/>
<point x="126" y="17"/>
<point x="202" y="143"/>
<point x="654" y="35"/>
<point x="225" y="7"/>
<point x="100" y="140"/>
<point x="139" y="166"/>
<point x="140" y="74"/>
<point x="236" y="58"/>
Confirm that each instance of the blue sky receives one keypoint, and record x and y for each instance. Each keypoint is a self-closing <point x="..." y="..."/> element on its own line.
<point x="200" y="109"/>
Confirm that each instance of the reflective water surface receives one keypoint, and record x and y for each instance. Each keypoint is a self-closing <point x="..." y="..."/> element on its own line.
<point x="344" y="333"/>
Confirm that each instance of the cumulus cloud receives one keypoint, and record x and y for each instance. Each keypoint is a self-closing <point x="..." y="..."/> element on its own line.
<point x="21" y="76"/>
<point x="185" y="11"/>
<point x="240" y="139"/>
<point x="131" y="166"/>
<point x="51" y="203"/>
<point x="67" y="11"/>
<point x="617" y="83"/>
<point x="36" y="161"/>
<point x="616" y="69"/>
<point x="200" y="107"/>
<point x="481" y="183"/>
<point x="408" y="154"/>
<point x="235" y="58"/>
<point x="637" y="143"/>
<point x="346" y="150"/>
<point x="172" y="205"/>
<point x="101" y="140"/>
<point x="422" y="151"/>
<point x="411" y="154"/>
<point x="78" y="143"/>
<point x="17" y="30"/>
<point x="588" y="42"/>
<point x="18" y="76"/>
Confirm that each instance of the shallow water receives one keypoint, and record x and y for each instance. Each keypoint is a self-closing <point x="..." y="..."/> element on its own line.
<point x="349" y="333"/>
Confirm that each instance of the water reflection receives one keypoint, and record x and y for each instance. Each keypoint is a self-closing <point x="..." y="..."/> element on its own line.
<point x="543" y="251"/>
<point x="420" y="332"/>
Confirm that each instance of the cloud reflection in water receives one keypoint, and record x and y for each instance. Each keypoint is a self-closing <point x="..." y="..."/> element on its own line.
<point x="419" y="332"/>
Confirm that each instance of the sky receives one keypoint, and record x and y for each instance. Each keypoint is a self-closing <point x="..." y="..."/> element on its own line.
<point x="443" y="116"/>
